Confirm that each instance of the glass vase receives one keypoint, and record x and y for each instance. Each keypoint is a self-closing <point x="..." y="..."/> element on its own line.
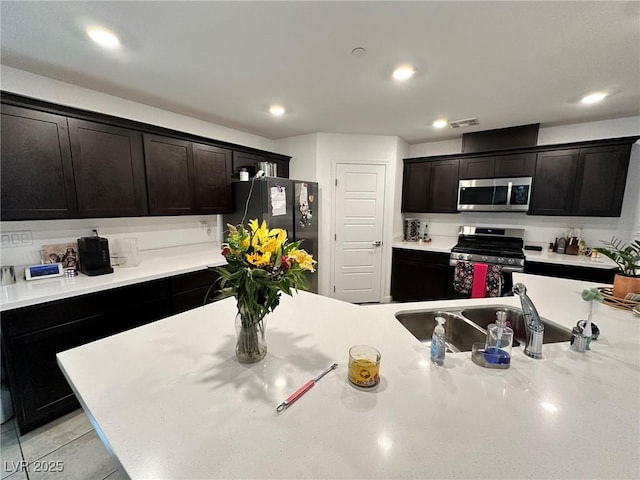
<point x="251" y="346"/>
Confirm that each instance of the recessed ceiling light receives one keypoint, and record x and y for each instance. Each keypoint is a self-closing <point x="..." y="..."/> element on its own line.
<point x="593" y="98"/>
<point x="276" y="110"/>
<point x="103" y="37"/>
<point x="404" y="72"/>
<point x="440" y="123"/>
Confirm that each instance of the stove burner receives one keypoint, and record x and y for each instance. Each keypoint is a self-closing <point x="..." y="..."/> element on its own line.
<point x="493" y="246"/>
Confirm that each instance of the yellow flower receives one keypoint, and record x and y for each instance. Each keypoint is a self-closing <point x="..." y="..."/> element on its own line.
<point x="259" y="260"/>
<point x="270" y="246"/>
<point x="305" y="260"/>
<point x="245" y="242"/>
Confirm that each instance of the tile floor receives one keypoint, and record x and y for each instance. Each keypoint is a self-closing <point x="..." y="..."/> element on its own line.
<point x="69" y="442"/>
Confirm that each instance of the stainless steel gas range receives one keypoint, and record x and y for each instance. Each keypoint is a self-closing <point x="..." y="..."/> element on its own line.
<point x="493" y="246"/>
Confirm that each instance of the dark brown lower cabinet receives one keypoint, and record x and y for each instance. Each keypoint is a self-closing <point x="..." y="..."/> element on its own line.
<point x="32" y="336"/>
<point x="192" y="290"/>
<point x="418" y="275"/>
<point x="573" y="272"/>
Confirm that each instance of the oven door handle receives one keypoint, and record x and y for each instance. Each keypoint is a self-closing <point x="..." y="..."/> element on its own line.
<point x="509" y="189"/>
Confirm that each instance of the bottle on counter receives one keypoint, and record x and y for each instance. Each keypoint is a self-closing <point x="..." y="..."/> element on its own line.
<point x="437" y="342"/>
<point x="499" y="341"/>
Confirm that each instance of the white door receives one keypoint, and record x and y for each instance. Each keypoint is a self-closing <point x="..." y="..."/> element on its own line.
<point x="359" y="202"/>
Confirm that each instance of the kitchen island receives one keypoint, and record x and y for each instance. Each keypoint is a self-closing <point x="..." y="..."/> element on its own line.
<point x="170" y="401"/>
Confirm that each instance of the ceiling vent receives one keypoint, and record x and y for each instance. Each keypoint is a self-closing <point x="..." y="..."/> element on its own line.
<point x="469" y="122"/>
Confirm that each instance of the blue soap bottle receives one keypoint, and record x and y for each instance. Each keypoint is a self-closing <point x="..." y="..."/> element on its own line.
<point x="437" y="342"/>
<point x="499" y="341"/>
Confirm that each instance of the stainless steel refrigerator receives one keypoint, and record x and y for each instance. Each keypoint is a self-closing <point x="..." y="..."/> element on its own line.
<point x="283" y="203"/>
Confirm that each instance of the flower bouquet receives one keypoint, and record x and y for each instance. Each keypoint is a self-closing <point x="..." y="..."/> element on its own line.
<point x="260" y="265"/>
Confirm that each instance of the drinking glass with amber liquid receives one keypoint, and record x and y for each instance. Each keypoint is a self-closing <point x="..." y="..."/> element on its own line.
<point x="364" y="366"/>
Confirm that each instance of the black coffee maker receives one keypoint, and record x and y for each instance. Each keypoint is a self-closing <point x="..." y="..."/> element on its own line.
<point x="94" y="255"/>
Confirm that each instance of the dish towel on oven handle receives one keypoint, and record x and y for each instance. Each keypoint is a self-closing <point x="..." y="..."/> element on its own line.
<point x="464" y="275"/>
<point x="479" y="287"/>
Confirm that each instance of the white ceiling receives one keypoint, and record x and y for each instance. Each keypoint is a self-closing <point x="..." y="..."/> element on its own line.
<point x="506" y="63"/>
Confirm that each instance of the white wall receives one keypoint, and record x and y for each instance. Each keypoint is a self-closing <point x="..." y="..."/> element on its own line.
<point x="304" y="152"/>
<point x="539" y="229"/>
<point x="371" y="149"/>
<point x="43" y="88"/>
<point x="151" y="232"/>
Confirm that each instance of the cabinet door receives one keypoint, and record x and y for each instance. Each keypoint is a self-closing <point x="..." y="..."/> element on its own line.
<point x="554" y="182"/>
<point x="211" y="179"/>
<point x="443" y="191"/>
<point x="600" y="182"/>
<point x="43" y="392"/>
<point x="37" y="172"/>
<point x="415" y="187"/>
<point x="518" y="165"/>
<point x="108" y="165"/>
<point x="169" y="175"/>
<point x="477" y="167"/>
<point x="419" y="276"/>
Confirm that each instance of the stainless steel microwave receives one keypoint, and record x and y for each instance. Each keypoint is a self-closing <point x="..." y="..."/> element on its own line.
<point x="495" y="194"/>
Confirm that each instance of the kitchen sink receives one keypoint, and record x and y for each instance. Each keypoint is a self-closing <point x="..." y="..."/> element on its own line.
<point x="464" y="327"/>
<point x="460" y="334"/>
<point x="483" y="316"/>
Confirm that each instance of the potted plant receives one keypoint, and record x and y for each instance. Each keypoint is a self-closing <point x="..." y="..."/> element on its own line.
<point x="627" y="257"/>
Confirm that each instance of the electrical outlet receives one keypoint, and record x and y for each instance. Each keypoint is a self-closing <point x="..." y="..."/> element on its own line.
<point x="21" y="238"/>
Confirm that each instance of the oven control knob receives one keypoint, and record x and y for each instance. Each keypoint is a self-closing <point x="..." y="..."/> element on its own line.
<point x="467" y="256"/>
<point x="511" y="261"/>
<point x="500" y="260"/>
<point x="484" y="258"/>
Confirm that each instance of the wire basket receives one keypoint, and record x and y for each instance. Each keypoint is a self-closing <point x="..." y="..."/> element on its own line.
<point x="622" y="303"/>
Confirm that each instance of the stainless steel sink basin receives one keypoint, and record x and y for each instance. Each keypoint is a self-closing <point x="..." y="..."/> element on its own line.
<point x="460" y="334"/>
<point x="464" y="327"/>
<point x="483" y="316"/>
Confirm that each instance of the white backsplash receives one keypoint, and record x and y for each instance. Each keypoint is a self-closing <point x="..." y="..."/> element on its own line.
<point x="538" y="230"/>
<point x="151" y="232"/>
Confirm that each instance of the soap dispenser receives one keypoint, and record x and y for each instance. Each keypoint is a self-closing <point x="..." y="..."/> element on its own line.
<point x="437" y="342"/>
<point x="499" y="340"/>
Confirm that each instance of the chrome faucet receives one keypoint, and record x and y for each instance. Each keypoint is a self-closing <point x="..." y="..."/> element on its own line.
<point x="533" y="325"/>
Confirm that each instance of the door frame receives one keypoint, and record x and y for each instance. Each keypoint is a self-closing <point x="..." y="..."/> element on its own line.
<point x="386" y="242"/>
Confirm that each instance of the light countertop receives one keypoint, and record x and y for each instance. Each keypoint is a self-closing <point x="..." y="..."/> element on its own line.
<point x="170" y="401"/>
<point x="154" y="264"/>
<point x="443" y="244"/>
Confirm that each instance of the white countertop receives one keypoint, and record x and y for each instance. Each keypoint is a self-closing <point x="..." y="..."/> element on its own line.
<point x="444" y="244"/>
<point x="170" y="400"/>
<point x="155" y="264"/>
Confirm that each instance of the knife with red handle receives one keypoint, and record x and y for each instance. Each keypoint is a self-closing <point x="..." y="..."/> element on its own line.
<point x="302" y="390"/>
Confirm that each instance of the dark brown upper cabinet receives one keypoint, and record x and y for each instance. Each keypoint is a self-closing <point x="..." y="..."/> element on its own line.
<point x="600" y="181"/>
<point x="588" y="181"/>
<point x="186" y="178"/>
<point x="211" y="179"/>
<point x="169" y="164"/>
<point x="63" y="162"/>
<point x="443" y="191"/>
<point x="415" y="186"/>
<point x="37" y="171"/>
<point x="498" y="166"/>
<point x="516" y="165"/>
<point x="554" y="182"/>
<point x="108" y="165"/>
<point x="430" y="186"/>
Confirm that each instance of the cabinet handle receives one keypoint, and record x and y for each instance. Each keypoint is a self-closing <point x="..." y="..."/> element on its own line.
<point x="377" y="244"/>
